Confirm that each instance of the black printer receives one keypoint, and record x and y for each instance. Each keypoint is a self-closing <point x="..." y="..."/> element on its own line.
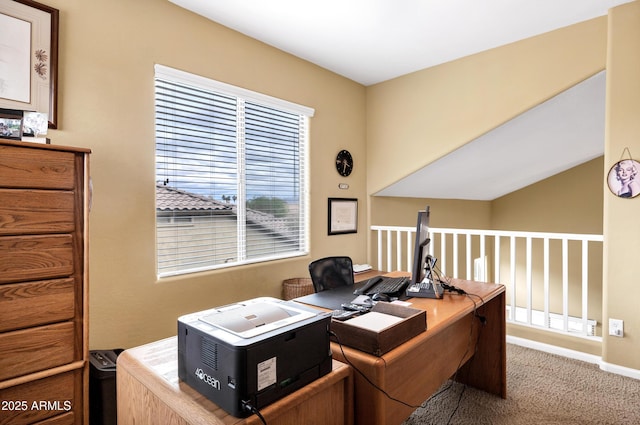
<point x="252" y="353"/>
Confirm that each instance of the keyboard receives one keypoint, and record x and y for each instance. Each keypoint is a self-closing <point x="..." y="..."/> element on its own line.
<point x="383" y="285"/>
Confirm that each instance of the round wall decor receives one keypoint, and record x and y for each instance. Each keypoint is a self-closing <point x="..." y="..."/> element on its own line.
<point x="623" y="180"/>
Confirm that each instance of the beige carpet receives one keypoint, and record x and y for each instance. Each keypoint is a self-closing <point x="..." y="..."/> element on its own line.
<point x="541" y="389"/>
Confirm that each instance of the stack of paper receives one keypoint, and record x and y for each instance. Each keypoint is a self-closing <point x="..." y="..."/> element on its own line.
<point x="374" y="321"/>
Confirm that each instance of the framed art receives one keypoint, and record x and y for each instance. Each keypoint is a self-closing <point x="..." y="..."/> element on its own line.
<point x="343" y="216"/>
<point x="29" y="58"/>
<point x="623" y="180"/>
<point x="10" y="124"/>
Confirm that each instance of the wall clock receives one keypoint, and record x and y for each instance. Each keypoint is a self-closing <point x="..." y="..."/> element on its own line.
<point x="344" y="163"/>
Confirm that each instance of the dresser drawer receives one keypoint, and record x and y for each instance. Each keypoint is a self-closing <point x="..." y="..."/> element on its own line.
<point x="35" y="257"/>
<point x="35" y="349"/>
<point x="28" y="304"/>
<point x="35" y="168"/>
<point x="36" y="211"/>
<point x="56" y="391"/>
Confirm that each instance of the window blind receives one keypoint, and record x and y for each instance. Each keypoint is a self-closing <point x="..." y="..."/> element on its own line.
<point x="231" y="184"/>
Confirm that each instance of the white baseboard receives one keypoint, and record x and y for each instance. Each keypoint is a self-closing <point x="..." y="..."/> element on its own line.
<point x="620" y="370"/>
<point x="552" y="349"/>
<point x="577" y="355"/>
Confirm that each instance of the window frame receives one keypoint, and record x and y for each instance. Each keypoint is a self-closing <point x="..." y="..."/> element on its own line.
<point x="180" y="77"/>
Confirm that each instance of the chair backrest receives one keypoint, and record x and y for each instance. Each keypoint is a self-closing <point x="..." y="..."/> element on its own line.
<point x="331" y="272"/>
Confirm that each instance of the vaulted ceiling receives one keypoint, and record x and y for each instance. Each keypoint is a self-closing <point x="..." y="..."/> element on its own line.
<point x="349" y="37"/>
<point x="561" y="133"/>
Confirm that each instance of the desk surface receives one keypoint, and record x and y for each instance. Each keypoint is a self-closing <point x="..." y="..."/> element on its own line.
<point x="334" y="298"/>
<point x="150" y="392"/>
<point x="439" y="312"/>
<point x="149" y="389"/>
<point x="454" y="340"/>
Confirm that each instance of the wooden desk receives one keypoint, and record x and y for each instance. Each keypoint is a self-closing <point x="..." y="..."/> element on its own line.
<point x="416" y="369"/>
<point x="362" y="276"/>
<point x="149" y="392"/>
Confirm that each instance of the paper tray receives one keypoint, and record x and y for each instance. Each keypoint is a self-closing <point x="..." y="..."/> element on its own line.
<point x="377" y="343"/>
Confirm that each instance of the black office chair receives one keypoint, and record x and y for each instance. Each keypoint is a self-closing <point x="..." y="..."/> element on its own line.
<point x="331" y="272"/>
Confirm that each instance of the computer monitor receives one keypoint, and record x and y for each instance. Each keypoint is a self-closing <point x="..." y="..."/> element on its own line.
<point x="420" y="251"/>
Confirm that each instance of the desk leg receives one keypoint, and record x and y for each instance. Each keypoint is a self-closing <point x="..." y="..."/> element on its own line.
<point x="487" y="369"/>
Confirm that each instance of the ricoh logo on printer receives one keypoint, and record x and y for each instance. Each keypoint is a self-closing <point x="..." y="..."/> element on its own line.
<point x="210" y="380"/>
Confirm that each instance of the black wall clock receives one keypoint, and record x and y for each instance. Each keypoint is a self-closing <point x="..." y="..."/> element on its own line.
<point x="344" y="163"/>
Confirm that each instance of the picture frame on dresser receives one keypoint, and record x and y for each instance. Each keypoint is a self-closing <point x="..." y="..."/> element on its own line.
<point x="29" y="58"/>
<point x="10" y="124"/>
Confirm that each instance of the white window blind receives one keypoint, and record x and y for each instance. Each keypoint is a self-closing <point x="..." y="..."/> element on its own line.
<point x="231" y="184"/>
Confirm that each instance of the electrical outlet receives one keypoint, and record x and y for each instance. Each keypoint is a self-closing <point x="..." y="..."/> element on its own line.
<point x="616" y="327"/>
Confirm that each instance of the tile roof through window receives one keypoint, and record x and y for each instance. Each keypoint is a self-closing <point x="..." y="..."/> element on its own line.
<point x="170" y="199"/>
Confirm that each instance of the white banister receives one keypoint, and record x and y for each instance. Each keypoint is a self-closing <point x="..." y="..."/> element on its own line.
<point x="512" y="267"/>
<point x="409" y="249"/>
<point x="379" y="251"/>
<point x="565" y="284"/>
<point x="389" y="265"/>
<point x="469" y="261"/>
<point x="546" y="278"/>
<point x="585" y="282"/>
<point x="529" y="274"/>
<point x="530" y="299"/>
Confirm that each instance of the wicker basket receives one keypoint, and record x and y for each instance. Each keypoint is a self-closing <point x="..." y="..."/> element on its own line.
<point x="296" y="287"/>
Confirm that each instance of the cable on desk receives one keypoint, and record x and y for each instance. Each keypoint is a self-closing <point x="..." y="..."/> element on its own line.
<point x="386" y="394"/>
<point x="251" y="408"/>
<point x="389" y="396"/>
<point x="457" y="404"/>
<point x="447" y="285"/>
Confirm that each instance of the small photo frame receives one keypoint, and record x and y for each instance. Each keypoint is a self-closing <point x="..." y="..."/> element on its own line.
<point x="343" y="216"/>
<point x="623" y="179"/>
<point x="10" y="124"/>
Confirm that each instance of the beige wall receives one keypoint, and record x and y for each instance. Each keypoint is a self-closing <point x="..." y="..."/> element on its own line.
<point x="107" y="53"/>
<point x="434" y="111"/>
<point x="108" y="49"/>
<point x="569" y="202"/>
<point x="622" y="216"/>
<point x="392" y="211"/>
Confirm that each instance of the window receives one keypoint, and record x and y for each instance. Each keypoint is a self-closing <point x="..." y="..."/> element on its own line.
<point x="231" y="185"/>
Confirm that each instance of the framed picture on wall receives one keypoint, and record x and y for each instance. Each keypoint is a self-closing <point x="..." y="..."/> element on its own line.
<point x="343" y="216"/>
<point x="623" y="180"/>
<point x="29" y="58"/>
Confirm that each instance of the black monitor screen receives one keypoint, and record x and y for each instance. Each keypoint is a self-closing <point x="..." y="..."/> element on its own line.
<point x="420" y="249"/>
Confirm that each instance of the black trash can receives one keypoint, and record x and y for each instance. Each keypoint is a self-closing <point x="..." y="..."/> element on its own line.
<point x="102" y="386"/>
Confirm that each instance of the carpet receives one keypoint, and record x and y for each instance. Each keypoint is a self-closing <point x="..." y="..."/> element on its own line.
<point x="542" y="389"/>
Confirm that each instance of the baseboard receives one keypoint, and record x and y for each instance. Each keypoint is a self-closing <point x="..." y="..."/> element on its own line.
<point x="553" y="349"/>
<point x="620" y="370"/>
<point x="577" y="355"/>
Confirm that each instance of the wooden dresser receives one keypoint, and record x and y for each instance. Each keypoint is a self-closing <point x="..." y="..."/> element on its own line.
<point x="44" y="205"/>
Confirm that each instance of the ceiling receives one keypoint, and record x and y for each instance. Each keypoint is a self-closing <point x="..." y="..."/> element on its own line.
<point x="370" y="41"/>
